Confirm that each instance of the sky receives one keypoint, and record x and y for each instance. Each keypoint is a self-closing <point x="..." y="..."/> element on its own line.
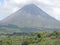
<point x="7" y="7"/>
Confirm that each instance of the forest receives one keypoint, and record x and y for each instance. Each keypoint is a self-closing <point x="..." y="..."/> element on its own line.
<point x="32" y="38"/>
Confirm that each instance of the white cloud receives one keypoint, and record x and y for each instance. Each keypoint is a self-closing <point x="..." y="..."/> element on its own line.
<point x="7" y="8"/>
<point x="46" y="2"/>
<point x="56" y="13"/>
<point x="56" y="2"/>
<point x="24" y="1"/>
<point x="50" y="6"/>
<point x="56" y="10"/>
<point x="20" y="1"/>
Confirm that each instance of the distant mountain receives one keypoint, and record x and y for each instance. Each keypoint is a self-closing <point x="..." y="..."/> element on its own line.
<point x="31" y="16"/>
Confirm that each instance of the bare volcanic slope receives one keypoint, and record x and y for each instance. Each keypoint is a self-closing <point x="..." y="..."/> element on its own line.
<point x="31" y="16"/>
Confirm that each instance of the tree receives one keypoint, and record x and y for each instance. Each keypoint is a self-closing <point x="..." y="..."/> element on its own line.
<point x="25" y="43"/>
<point x="38" y="35"/>
<point x="0" y="42"/>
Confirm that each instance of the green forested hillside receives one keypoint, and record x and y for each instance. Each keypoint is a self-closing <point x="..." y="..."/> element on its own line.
<point x="36" y="38"/>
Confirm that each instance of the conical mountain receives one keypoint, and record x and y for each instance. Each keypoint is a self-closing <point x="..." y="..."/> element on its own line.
<point x="31" y="16"/>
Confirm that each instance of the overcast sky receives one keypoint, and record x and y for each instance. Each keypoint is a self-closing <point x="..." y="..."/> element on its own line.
<point x="7" y="7"/>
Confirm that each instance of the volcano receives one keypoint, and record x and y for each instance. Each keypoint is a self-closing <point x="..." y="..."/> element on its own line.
<point x="31" y="16"/>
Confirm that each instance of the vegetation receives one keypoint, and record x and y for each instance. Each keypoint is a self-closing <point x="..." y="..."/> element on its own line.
<point x="36" y="38"/>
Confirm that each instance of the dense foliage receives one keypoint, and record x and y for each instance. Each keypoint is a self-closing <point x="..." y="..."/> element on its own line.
<point x="36" y="38"/>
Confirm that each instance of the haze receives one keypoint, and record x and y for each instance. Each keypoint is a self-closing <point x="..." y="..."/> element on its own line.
<point x="8" y="7"/>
